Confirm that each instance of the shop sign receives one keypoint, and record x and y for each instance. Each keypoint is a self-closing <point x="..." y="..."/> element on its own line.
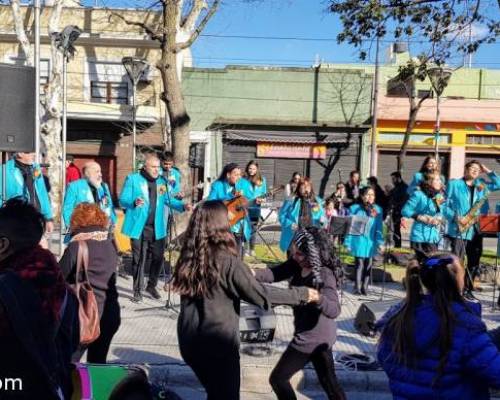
<point x="288" y="150"/>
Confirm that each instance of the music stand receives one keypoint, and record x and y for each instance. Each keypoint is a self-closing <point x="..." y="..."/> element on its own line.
<point x="490" y="224"/>
<point x="260" y="227"/>
<point x="339" y="227"/>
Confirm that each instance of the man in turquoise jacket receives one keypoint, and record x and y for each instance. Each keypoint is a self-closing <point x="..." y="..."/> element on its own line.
<point x="144" y="196"/>
<point x="24" y="179"/>
<point x="227" y="187"/>
<point x="462" y="195"/>
<point x="172" y="175"/>
<point x="89" y="189"/>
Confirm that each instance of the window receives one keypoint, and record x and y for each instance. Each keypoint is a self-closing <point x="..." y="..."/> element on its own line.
<point x="483" y="139"/>
<point x="109" y="92"/>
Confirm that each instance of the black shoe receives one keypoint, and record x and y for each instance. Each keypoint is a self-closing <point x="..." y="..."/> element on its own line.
<point x="363" y="291"/>
<point x="153" y="292"/>
<point x="469" y="296"/>
<point x="137" y="297"/>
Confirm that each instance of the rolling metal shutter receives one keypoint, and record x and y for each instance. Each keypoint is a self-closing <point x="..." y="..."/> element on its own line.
<point x="387" y="164"/>
<point x="492" y="161"/>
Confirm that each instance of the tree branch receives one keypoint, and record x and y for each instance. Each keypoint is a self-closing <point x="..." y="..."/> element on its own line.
<point x="189" y="22"/>
<point x="199" y="29"/>
<point x="148" y="29"/>
<point x="15" y="6"/>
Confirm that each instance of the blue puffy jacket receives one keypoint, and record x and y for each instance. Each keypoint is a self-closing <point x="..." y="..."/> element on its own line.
<point x="473" y="363"/>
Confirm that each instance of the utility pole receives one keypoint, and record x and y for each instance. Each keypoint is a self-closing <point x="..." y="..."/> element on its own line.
<point x="36" y="5"/>
<point x="373" y="148"/>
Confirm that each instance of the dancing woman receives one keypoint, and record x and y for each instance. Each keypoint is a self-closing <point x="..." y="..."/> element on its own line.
<point x="434" y="344"/>
<point x="212" y="280"/>
<point x="258" y="186"/>
<point x="303" y="210"/>
<point x="310" y="264"/>
<point x="365" y="245"/>
<point x="426" y="206"/>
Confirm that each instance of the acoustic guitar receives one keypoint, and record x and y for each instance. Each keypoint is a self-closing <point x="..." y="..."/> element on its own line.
<point x="238" y="206"/>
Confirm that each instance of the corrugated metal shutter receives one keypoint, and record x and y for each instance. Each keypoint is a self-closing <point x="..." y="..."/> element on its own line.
<point x="283" y="170"/>
<point x="489" y="160"/>
<point x="387" y="164"/>
<point x="347" y="161"/>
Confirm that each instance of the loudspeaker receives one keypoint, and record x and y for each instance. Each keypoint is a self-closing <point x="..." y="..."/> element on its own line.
<point x="256" y="325"/>
<point x="17" y="108"/>
<point x="370" y="312"/>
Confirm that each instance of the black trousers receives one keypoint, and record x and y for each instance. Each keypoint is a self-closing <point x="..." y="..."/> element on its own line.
<point x="240" y="242"/>
<point x="472" y="249"/>
<point x="147" y="252"/>
<point x="254" y="223"/>
<point x="363" y="268"/>
<point x="293" y="361"/>
<point x="97" y="352"/>
<point x="396" y="226"/>
<point x="220" y="376"/>
<point x="423" y="250"/>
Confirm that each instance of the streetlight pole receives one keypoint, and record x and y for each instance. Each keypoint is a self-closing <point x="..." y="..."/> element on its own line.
<point x="373" y="147"/>
<point x="439" y="77"/>
<point x="36" y="7"/>
<point x="135" y="67"/>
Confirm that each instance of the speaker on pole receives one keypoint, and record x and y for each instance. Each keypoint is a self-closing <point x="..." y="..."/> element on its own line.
<point x="369" y="313"/>
<point x="17" y="108"/>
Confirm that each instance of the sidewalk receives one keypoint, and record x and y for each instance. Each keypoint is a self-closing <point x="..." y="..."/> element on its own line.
<point x="148" y="336"/>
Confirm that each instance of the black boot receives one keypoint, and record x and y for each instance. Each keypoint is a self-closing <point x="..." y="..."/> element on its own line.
<point x="359" y="275"/>
<point x="137" y="297"/>
<point x="153" y="292"/>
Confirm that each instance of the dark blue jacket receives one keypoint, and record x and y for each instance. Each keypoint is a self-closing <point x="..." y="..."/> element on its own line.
<point x="473" y="363"/>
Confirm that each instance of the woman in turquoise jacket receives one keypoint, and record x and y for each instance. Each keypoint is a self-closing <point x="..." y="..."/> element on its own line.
<point x="429" y="166"/>
<point x="301" y="211"/>
<point x="227" y="187"/>
<point x="258" y="186"/>
<point x="425" y="206"/>
<point x="364" y="245"/>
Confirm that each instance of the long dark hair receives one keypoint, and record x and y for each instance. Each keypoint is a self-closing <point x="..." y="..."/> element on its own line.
<point x="206" y="237"/>
<point x="228" y="168"/>
<point x="256" y="180"/>
<point x="423" y="169"/>
<point x="317" y="245"/>
<point x="302" y="182"/>
<point x="426" y="184"/>
<point x="437" y="274"/>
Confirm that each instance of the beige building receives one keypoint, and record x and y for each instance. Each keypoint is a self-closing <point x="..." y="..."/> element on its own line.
<point x="99" y="91"/>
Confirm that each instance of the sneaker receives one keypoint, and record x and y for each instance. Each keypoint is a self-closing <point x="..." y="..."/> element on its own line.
<point x="137" y="297"/>
<point x="153" y="292"/>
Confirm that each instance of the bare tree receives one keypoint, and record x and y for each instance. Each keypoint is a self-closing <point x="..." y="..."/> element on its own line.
<point x="180" y="25"/>
<point x="51" y="104"/>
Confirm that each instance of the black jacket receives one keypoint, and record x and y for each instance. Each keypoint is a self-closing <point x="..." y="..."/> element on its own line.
<point x="103" y="259"/>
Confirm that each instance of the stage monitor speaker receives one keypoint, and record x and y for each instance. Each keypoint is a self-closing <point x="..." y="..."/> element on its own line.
<point x="256" y="325"/>
<point x="370" y="312"/>
<point x="17" y="108"/>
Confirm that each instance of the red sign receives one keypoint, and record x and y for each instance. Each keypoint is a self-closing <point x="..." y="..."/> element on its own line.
<point x="280" y="150"/>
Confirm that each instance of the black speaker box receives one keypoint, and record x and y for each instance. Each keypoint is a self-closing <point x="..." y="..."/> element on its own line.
<point x="370" y="312"/>
<point x="17" y="108"/>
<point x="256" y="325"/>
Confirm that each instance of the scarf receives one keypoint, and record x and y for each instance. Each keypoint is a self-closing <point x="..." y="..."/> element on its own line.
<point x="39" y="267"/>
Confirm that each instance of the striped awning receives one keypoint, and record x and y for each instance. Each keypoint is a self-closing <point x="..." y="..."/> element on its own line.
<point x="287" y="136"/>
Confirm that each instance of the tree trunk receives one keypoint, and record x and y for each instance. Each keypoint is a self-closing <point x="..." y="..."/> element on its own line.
<point x="21" y="32"/>
<point x="412" y="120"/>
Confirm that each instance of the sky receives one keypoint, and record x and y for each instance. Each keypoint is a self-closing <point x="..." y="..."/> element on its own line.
<point x="282" y="32"/>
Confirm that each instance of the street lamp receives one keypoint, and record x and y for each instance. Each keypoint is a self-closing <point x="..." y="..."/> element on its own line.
<point x="64" y="42"/>
<point x="439" y="77"/>
<point x="135" y="67"/>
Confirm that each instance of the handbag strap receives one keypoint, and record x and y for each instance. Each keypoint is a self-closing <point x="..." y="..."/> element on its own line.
<point x="82" y="263"/>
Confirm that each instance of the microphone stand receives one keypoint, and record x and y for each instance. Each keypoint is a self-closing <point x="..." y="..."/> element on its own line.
<point x="171" y="229"/>
<point x="387" y="248"/>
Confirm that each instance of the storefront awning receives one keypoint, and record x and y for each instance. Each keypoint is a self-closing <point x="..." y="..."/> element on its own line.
<point x="287" y="136"/>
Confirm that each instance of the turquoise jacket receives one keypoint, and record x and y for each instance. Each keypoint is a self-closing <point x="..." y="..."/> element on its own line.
<point x="257" y="191"/>
<point x="289" y="216"/>
<point x="366" y="245"/>
<point x="417" y="180"/>
<point x="420" y="204"/>
<point x="459" y="201"/>
<point x="15" y="187"/>
<point x="79" y="192"/>
<point x="174" y="181"/>
<point x="222" y="190"/>
<point x="135" y="217"/>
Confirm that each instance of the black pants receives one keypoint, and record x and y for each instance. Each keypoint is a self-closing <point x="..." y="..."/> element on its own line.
<point x="238" y="237"/>
<point x="293" y="361"/>
<point x="423" y="250"/>
<point x="97" y="351"/>
<point x="363" y="268"/>
<point x="219" y="376"/>
<point x="396" y="226"/>
<point x="147" y="252"/>
<point x="472" y="249"/>
<point x="255" y="224"/>
<point x="495" y="336"/>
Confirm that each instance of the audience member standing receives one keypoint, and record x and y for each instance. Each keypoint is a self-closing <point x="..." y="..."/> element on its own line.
<point x="291" y="186"/>
<point x="381" y="198"/>
<point x="434" y="344"/>
<point x="39" y="327"/>
<point x="397" y="199"/>
<point x="72" y="171"/>
<point x="90" y="224"/>
<point x="352" y="188"/>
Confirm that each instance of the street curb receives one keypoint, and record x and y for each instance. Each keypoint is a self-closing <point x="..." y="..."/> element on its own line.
<point x="254" y="378"/>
